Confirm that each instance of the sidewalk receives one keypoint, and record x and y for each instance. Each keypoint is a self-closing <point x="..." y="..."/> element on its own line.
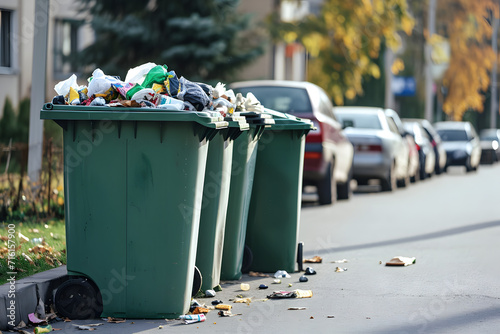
<point x="28" y="291"/>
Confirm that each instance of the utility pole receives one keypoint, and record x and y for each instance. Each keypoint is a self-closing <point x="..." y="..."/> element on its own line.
<point x="429" y="96"/>
<point x="40" y="26"/>
<point x="389" y="95"/>
<point x="494" y="102"/>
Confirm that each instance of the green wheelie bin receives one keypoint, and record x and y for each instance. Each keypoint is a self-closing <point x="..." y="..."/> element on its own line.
<point x="215" y="201"/>
<point x="242" y="173"/>
<point x="274" y="214"/>
<point x="133" y="189"/>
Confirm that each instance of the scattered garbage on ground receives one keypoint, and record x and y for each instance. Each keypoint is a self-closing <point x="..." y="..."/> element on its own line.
<point x="340" y="261"/>
<point x="401" y="261"/>
<point x="339" y="269"/>
<point x="310" y="271"/>
<point x="281" y="274"/>
<point x="315" y="259"/>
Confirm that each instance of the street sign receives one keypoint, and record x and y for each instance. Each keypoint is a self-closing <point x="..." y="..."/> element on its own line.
<point x="403" y="86"/>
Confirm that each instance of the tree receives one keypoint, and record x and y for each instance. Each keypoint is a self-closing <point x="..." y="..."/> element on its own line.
<point x="8" y="122"/>
<point x="345" y="40"/>
<point x="469" y="32"/>
<point x="199" y="39"/>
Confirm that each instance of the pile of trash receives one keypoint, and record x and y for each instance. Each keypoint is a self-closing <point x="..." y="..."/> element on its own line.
<point x="153" y="86"/>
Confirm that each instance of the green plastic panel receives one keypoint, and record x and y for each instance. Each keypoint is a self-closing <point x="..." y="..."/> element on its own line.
<point x="214" y="210"/>
<point x="273" y="219"/>
<point x="133" y="192"/>
<point x="242" y="173"/>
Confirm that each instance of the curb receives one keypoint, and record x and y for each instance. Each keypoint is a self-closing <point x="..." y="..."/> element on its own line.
<point x="28" y="291"/>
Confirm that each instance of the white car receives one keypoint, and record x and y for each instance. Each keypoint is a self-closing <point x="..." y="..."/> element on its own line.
<point x="380" y="152"/>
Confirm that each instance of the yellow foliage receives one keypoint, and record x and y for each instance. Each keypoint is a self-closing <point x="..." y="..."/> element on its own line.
<point x="397" y="66"/>
<point x="290" y="37"/>
<point x="471" y="54"/>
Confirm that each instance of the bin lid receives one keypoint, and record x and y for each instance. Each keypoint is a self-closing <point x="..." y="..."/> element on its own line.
<point x="86" y="113"/>
<point x="256" y="118"/>
<point x="237" y="122"/>
<point x="282" y="121"/>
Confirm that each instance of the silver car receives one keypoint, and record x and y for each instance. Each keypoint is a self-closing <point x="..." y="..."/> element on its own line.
<point x="461" y="144"/>
<point x="380" y="152"/>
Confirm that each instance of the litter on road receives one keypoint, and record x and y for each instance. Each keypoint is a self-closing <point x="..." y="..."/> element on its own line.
<point x="401" y="261"/>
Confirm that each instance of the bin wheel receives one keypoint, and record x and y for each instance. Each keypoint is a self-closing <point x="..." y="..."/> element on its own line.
<point x="197" y="280"/>
<point x="247" y="260"/>
<point x="78" y="299"/>
<point x="300" y="255"/>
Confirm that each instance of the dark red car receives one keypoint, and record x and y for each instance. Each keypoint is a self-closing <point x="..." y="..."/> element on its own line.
<point x="328" y="153"/>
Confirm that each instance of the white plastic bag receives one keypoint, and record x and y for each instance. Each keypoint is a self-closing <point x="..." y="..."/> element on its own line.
<point x="252" y="104"/>
<point x="138" y="74"/>
<point x="62" y="88"/>
<point x="100" y="83"/>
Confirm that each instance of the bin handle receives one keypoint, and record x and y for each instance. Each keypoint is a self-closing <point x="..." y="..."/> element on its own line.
<point x="48" y="106"/>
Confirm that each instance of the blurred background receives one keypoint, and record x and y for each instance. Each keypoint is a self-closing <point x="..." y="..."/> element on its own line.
<point x="433" y="59"/>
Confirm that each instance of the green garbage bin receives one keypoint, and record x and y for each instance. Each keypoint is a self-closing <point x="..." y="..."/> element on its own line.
<point x="133" y="188"/>
<point x="273" y="218"/>
<point x="242" y="173"/>
<point x="215" y="200"/>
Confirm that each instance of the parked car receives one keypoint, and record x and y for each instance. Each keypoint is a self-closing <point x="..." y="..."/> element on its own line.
<point x="413" y="158"/>
<point x="328" y="153"/>
<point x="461" y="143"/>
<point x="427" y="157"/>
<point x="436" y="143"/>
<point x="379" y="150"/>
<point x="490" y="145"/>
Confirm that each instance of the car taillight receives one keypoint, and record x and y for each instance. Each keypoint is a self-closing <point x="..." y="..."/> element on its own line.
<point x="418" y="147"/>
<point x="314" y="136"/>
<point x="433" y="143"/>
<point x="369" y="148"/>
<point x="312" y="155"/>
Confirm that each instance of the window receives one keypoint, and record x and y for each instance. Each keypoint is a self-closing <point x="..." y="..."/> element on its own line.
<point x="360" y="121"/>
<point x="285" y="99"/>
<point x="66" y="46"/>
<point x="5" y="38"/>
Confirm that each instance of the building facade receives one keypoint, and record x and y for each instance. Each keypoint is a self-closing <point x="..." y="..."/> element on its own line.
<point x="67" y="34"/>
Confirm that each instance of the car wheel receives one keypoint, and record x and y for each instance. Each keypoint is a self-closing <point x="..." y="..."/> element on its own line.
<point x="422" y="173"/>
<point x="405" y="181"/>
<point x="344" y="190"/>
<point x="389" y="183"/>
<point x="468" y="166"/>
<point x="327" y="188"/>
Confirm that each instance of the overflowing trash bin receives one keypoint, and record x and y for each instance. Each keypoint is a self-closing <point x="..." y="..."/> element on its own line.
<point x="133" y="185"/>
<point x="274" y="213"/>
<point x="215" y="202"/>
<point x="242" y="174"/>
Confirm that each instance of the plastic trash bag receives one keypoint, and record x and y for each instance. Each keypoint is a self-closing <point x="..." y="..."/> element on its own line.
<point x="191" y="92"/>
<point x="101" y="83"/>
<point x="138" y="74"/>
<point x="157" y="74"/>
<point x="252" y="104"/>
<point x="168" y="102"/>
<point x="63" y="87"/>
<point x="172" y="84"/>
<point x="219" y="90"/>
<point x="206" y="88"/>
<point x="123" y="88"/>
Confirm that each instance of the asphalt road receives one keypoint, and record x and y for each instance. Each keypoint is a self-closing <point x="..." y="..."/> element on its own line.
<point x="450" y="224"/>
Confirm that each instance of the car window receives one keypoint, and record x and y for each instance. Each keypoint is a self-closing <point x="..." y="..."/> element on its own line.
<point x="392" y="125"/>
<point x="453" y="135"/>
<point x="362" y="121"/>
<point x="325" y="105"/>
<point x="285" y="99"/>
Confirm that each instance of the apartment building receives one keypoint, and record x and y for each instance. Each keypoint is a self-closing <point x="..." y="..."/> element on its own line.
<point x="68" y="33"/>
